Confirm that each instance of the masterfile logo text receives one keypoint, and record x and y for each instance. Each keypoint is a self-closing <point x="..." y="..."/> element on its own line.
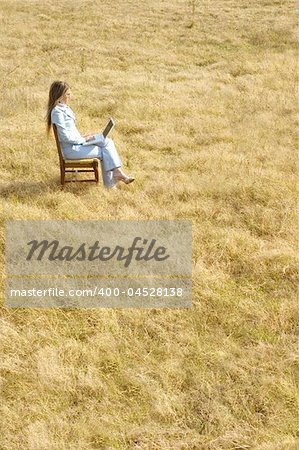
<point x="80" y="253"/>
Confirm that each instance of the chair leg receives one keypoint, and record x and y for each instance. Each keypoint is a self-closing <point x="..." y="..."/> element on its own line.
<point x="95" y="166"/>
<point x="96" y="170"/>
<point x="62" y="176"/>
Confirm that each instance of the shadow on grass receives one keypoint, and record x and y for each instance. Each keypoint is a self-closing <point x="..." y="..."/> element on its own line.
<point x="24" y="189"/>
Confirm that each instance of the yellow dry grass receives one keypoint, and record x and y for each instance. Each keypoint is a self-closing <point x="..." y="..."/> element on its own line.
<point x="206" y="120"/>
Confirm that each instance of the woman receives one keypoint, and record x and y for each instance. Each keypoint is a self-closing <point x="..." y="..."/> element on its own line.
<point x="60" y="114"/>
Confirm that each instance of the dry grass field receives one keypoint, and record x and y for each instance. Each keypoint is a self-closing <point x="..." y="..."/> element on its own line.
<point x="204" y="94"/>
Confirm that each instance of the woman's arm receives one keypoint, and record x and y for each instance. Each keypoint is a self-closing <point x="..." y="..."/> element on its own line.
<point x="69" y="136"/>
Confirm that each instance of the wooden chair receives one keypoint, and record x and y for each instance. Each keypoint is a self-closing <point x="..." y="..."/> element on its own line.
<point x="75" y="165"/>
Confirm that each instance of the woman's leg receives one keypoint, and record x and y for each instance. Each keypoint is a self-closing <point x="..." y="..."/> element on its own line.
<point x="107" y="176"/>
<point x="112" y="163"/>
<point x="105" y="152"/>
<point x="111" y="159"/>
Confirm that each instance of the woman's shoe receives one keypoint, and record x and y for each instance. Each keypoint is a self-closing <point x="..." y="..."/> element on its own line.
<point x="123" y="178"/>
<point x="129" y="180"/>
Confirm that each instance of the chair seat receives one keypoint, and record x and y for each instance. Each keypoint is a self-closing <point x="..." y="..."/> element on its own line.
<point x="80" y="162"/>
<point x="74" y="166"/>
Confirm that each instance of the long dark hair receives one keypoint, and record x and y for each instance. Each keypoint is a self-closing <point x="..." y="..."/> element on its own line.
<point x="57" y="90"/>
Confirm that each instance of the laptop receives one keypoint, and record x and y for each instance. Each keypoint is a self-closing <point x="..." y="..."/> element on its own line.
<point x="98" y="138"/>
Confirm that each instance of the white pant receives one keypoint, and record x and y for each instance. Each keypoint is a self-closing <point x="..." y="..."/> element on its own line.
<point x="105" y="151"/>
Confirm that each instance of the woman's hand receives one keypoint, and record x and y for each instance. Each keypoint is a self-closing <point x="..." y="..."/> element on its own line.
<point x="89" y="137"/>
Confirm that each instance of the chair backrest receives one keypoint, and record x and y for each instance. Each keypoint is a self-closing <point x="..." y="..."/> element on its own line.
<point x="61" y="159"/>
